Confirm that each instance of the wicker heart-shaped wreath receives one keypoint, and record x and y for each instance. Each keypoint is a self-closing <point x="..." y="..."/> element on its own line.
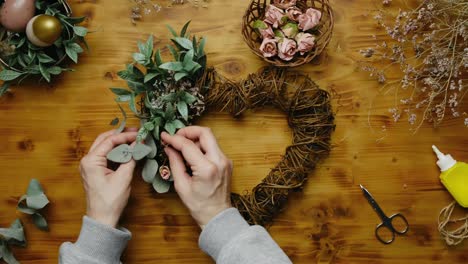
<point x="167" y="96"/>
<point x="310" y="117"/>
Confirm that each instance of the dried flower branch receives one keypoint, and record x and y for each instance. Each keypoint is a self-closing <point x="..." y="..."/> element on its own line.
<point x="428" y="46"/>
<point x="141" y="8"/>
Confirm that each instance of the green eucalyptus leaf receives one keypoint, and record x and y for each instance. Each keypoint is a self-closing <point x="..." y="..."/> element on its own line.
<point x="173" y="32"/>
<point x="120" y="91"/>
<point x="160" y="185"/>
<point x="150" y="170"/>
<point x="54" y="70"/>
<point x="9" y="75"/>
<point x="179" y="76"/>
<point x="150" y="76"/>
<point x="201" y="48"/>
<point x="182" y="107"/>
<point x="140" y="151"/>
<point x="184" y="43"/>
<point x="80" y="31"/>
<point x="120" y="154"/>
<point x="172" y="66"/>
<point x="156" y="132"/>
<point x="34" y="188"/>
<point x="124" y="121"/>
<point x="6" y="254"/>
<point x="170" y="128"/>
<point x="44" y="58"/>
<point x="188" y="98"/>
<point x="152" y="144"/>
<point x="174" y="53"/>
<point x="73" y="55"/>
<point x="170" y="112"/>
<point x="183" y="32"/>
<point x="44" y="72"/>
<point x="37" y="202"/>
<point x="158" y="58"/>
<point x="14" y="234"/>
<point x="149" y="47"/>
<point x="188" y="58"/>
<point x="178" y="124"/>
<point x="140" y="58"/>
<point x="40" y="222"/>
<point x="23" y="207"/>
<point x="4" y="88"/>
<point x="149" y="126"/>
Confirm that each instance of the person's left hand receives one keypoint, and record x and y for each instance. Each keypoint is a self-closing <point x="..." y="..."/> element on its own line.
<point x="107" y="191"/>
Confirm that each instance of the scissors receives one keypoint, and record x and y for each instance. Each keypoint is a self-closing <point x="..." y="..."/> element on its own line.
<point x="387" y="222"/>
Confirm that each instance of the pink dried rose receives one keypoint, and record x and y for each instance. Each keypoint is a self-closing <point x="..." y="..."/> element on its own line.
<point x="269" y="48"/>
<point x="267" y="33"/>
<point x="284" y="4"/>
<point x="287" y="49"/>
<point x="293" y="13"/>
<point x="310" y="19"/>
<point x="305" y="42"/>
<point x="274" y="16"/>
<point x="165" y="172"/>
<point x="290" y="30"/>
<point x="264" y="29"/>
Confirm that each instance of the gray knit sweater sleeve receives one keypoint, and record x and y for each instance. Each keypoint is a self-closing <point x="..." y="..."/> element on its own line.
<point x="229" y="239"/>
<point x="97" y="244"/>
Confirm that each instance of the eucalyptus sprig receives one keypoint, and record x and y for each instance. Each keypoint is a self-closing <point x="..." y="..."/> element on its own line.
<point x="32" y="202"/>
<point x="168" y="96"/>
<point x="14" y="235"/>
<point x="28" y="60"/>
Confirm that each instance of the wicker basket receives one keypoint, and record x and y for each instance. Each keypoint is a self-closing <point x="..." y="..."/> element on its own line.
<point x="257" y="11"/>
<point x="68" y="11"/>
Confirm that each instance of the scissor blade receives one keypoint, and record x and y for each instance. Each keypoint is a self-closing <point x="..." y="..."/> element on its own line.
<point x="373" y="203"/>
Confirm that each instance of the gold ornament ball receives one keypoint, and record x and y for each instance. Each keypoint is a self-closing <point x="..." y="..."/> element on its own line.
<point x="43" y="30"/>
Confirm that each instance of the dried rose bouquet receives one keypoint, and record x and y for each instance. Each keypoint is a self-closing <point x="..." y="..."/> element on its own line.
<point x="287" y="31"/>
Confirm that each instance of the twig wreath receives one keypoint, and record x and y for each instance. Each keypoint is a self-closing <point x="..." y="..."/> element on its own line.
<point x="171" y="95"/>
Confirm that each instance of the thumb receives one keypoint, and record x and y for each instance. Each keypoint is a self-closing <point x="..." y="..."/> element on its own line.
<point x="177" y="164"/>
<point x="125" y="171"/>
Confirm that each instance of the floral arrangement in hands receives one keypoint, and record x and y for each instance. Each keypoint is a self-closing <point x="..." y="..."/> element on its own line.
<point x="169" y="98"/>
<point x="287" y="31"/>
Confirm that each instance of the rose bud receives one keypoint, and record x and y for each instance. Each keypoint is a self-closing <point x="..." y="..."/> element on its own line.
<point x="287" y="49"/>
<point x="165" y="172"/>
<point x="305" y="42"/>
<point x="264" y="29"/>
<point x="310" y="19"/>
<point x="293" y="13"/>
<point x="269" y="48"/>
<point x="274" y="16"/>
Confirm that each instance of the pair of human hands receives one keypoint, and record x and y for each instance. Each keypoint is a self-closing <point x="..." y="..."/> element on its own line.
<point x="205" y="193"/>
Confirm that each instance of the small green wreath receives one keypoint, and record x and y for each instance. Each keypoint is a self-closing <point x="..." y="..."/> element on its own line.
<point x="22" y="59"/>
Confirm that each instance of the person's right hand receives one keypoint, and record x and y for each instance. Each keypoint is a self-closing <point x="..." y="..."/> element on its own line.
<point x="207" y="192"/>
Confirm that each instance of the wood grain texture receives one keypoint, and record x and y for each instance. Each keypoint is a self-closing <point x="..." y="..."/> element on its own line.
<point x="46" y="129"/>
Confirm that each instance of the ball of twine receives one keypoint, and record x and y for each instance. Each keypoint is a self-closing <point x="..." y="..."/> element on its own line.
<point x="455" y="236"/>
<point x="310" y="116"/>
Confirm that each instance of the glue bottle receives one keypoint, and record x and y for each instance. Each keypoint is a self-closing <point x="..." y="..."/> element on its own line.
<point x="454" y="176"/>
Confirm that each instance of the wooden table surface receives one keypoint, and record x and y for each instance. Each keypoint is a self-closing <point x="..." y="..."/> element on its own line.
<point x="46" y="129"/>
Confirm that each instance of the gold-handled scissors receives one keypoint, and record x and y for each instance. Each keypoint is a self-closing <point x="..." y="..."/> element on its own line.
<point x="387" y="222"/>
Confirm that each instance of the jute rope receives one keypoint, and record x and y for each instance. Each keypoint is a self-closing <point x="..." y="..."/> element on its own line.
<point x="455" y="236"/>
